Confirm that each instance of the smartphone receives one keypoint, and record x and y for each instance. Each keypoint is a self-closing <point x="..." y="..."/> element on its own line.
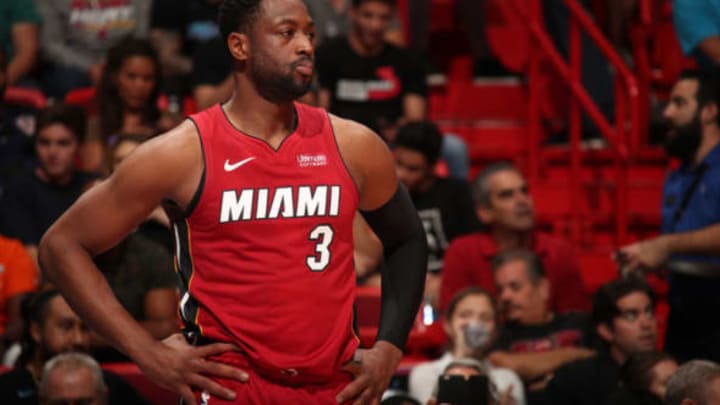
<point x="458" y="390"/>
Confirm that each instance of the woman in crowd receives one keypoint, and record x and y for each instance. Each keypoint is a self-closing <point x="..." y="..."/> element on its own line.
<point x="471" y="326"/>
<point x="126" y="100"/>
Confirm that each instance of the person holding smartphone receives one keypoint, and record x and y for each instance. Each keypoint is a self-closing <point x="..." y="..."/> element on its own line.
<point x="470" y="324"/>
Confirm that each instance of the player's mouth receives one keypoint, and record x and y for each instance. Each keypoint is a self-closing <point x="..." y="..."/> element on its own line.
<point x="304" y="67"/>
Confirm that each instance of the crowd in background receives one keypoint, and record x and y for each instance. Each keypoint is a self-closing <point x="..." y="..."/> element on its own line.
<point x="508" y="297"/>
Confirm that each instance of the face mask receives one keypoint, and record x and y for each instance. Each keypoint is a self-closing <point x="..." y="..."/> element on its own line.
<point x="477" y="335"/>
<point x="683" y="141"/>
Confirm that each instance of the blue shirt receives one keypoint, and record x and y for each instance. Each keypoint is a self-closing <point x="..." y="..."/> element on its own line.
<point x="703" y="208"/>
<point x="694" y="21"/>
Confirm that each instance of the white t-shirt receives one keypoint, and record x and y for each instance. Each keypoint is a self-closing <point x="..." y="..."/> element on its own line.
<point x="424" y="377"/>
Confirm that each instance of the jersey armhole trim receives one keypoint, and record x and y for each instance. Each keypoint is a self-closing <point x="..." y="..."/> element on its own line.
<point x="201" y="185"/>
<point x="342" y="158"/>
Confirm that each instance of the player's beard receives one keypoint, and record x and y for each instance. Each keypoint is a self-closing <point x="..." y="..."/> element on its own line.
<point x="275" y="85"/>
<point x="684" y="140"/>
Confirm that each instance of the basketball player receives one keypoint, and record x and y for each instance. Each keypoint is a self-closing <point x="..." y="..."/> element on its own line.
<point x="262" y="191"/>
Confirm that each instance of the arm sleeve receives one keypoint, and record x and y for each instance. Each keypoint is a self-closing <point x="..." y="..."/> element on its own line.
<point x="403" y="277"/>
<point x="694" y="20"/>
<point x="53" y="38"/>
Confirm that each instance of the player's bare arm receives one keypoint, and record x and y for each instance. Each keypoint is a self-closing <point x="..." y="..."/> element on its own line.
<point x="388" y="210"/>
<point x="169" y="166"/>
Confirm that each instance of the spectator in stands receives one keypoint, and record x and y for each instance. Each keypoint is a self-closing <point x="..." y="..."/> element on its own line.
<point x="364" y="78"/>
<point x="469" y="368"/>
<point x="18" y="277"/>
<point x="54" y="329"/>
<point x="624" y="318"/>
<point x="126" y="100"/>
<point x="643" y="379"/>
<point x="77" y="34"/>
<point x="39" y="197"/>
<point x="689" y="246"/>
<point x="195" y="21"/>
<point x="504" y="205"/>
<point x="534" y="341"/>
<point x="596" y="72"/>
<point x="696" y="382"/>
<point x="472" y="19"/>
<point x="471" y="324"/>
<point x="19" y="26"/>
<point x="697" y="25"/>
<point x="72" y="378"/>
<point x="331" y="18"/>
<point x="444" y="204"/>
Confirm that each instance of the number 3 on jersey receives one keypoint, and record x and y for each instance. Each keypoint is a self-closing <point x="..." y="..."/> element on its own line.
<point x="323" y="235"/>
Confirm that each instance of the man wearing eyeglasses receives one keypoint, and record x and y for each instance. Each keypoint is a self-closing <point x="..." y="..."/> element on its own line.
<point x="624" y="318"/>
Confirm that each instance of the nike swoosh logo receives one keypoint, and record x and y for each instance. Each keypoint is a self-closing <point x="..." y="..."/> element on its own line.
<point x="230" y="167"/>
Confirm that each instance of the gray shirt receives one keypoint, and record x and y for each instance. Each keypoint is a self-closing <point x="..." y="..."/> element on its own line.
<point x="78" y="33"/>
<point x="329" y="23"/>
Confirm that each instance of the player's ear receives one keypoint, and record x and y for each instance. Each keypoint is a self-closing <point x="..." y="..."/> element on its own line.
<point x="238" y="45"/>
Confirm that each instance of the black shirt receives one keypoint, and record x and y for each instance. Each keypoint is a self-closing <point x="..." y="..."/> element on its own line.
<point x="368" y="89"/>
<point x="584" y="382"/>
<point x="446" y="210"/>
<point x="31" y="205"/>
<point x="564" y="330"/>
<point x="17" y="387"/>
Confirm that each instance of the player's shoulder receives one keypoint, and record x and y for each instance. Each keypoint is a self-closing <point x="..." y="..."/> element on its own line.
<point x="167" y="158"/>
<point x="353" y="137"/>
<point x="356" y="142"/>
<point x="174" y="142"/>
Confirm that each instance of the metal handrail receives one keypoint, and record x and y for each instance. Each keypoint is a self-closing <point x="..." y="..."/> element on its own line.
<point x="623" y="139"/>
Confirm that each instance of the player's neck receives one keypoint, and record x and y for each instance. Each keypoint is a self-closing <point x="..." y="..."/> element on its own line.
<point x="260" y="118"/>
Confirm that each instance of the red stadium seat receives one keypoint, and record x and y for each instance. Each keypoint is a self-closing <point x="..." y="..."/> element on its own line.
<point x="25" y="97"/>
<point x="84" y="97"/>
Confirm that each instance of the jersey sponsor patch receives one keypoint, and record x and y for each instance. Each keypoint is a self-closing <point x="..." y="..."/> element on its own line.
<point x="317" y="160"/>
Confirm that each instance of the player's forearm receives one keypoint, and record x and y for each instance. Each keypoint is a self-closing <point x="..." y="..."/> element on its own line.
<point x="403" y="283"/>
<point x="403" y="276"/>
<point x="69" y="266"/>
<point x="705" y="240"/>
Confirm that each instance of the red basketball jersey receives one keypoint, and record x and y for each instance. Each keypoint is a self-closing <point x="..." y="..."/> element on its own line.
<point x="266" y="250"/>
